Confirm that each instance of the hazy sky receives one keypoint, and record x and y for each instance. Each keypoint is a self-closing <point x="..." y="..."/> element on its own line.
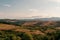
<point x="29" y="8"/>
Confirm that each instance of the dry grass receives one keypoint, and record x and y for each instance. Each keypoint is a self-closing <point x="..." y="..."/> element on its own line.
<point x="48" y="23"/>
<point x="29" y="23"/>
<point x="50" y="31"/>
<point x="15" y="28"/>
<point x="7" y="27"/>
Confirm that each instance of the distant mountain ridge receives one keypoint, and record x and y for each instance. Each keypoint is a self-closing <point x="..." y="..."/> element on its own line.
<point x="42" y="19"/>
<point x="51" y="19"/>
<point x="34" y="18"/>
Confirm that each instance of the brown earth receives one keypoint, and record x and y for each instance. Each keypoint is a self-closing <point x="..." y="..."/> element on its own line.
<point x="17" y="28"/>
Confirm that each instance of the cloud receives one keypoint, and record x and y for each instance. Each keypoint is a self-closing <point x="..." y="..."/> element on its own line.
<point x="2" y="15"/>
<point x="33" y="10"/>
<point x="7" y="5"/>
<point x="49" y="12"/>
<point x="53" y="11"/>
<point x="36" y="12"/>
<point x="54" y="0"/>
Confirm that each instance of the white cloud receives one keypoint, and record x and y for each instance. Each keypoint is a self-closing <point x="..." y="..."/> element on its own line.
<point x="50" y="12"/>
<point x="7" y="5"/>
<point x="36" y="12"/>
<point x="53" y="11"/>
<point x="2" y="15"/>
<point x="54" y="0"/>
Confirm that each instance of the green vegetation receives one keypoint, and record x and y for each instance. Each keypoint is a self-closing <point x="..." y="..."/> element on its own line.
<point x="24" y="30"/>
<point x="13" y="35"/>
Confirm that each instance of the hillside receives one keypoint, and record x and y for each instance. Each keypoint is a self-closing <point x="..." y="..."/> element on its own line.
<point x="30" y="30"/>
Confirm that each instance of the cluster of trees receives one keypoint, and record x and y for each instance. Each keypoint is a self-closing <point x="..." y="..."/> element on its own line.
<point x="50" y="32"/>
<point x="12" y="22"/>
<point x="13" y="35"/>
<point x="21" y="22"/>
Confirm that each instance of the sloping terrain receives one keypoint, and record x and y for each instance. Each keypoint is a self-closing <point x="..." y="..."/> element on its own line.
<point x="29" y="32"/>
<point x="7" y="27"/>
<point x="17" y="28"/>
